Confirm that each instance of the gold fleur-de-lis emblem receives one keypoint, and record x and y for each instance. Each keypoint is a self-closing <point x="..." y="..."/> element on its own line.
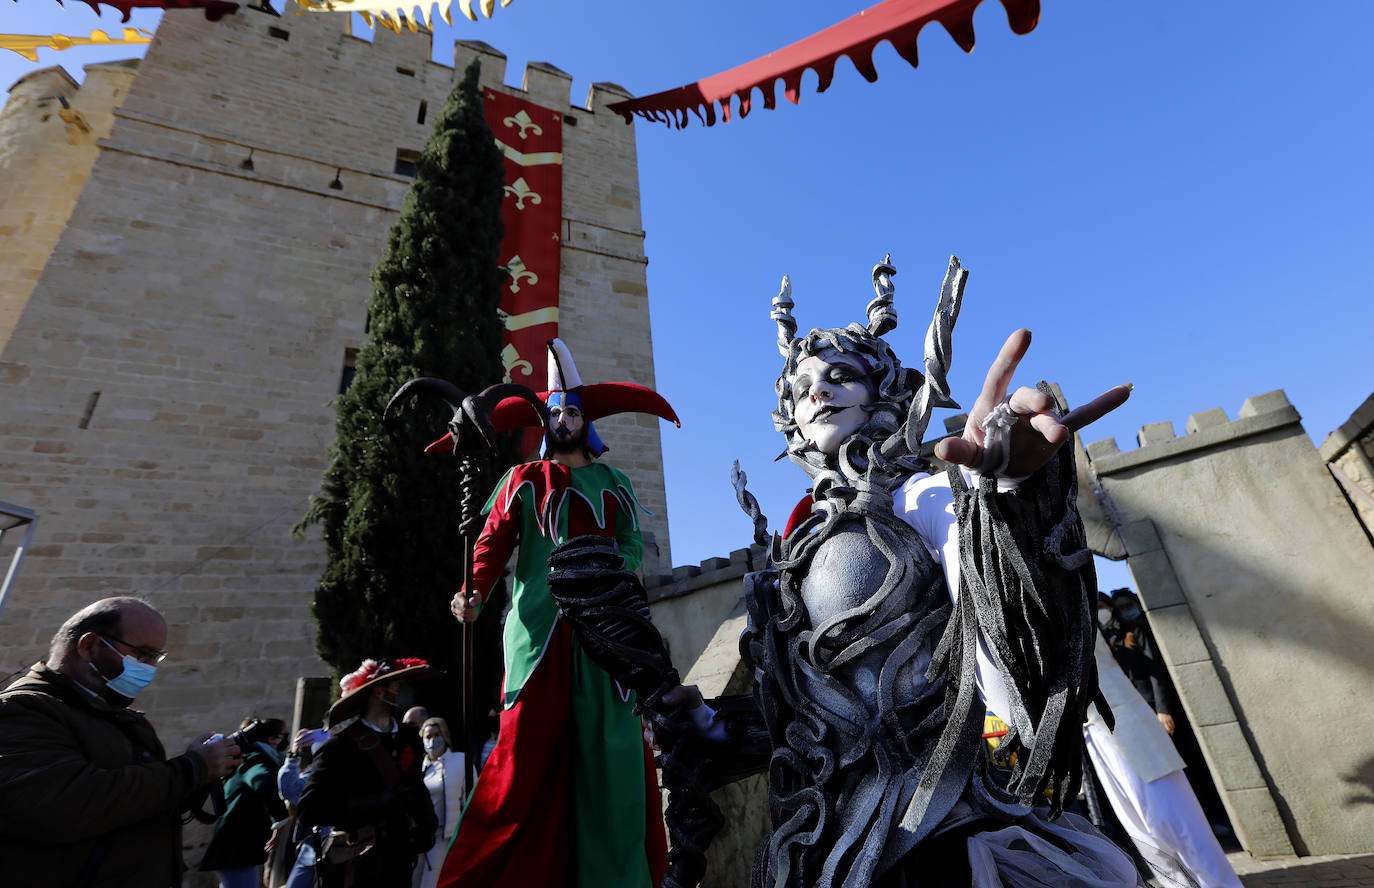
<point x="522" y="120"/>
<point x="521" y="191"/>
<point x="518" y="273"/>
<point x="511" y="360"/>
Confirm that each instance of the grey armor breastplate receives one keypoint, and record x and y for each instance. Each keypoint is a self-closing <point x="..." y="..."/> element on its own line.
<point x="875" y="604"/>
<point x="861" y="608"/>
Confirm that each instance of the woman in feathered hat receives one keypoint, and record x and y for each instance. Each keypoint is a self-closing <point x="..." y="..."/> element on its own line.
<point x="569" y="795"/>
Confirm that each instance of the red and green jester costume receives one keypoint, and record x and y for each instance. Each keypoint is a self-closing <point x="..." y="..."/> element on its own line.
<point x="569" y="796"/>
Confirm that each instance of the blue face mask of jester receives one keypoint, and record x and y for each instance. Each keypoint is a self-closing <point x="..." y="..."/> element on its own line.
<point x="135" y="676"/>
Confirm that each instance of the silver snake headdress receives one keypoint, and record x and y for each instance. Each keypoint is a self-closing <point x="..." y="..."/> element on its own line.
<point x="903" y="399"/>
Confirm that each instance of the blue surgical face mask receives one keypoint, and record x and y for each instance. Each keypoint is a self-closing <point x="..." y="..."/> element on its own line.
<point x="135" y="676"/>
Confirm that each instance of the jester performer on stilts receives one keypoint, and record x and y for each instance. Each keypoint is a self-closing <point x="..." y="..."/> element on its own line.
<point x="569" y="795"/>
<point x="905" y="603"/>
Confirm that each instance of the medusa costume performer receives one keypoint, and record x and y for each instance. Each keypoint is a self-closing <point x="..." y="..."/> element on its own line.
<point x="902" y="606"/>
<point x="569" y="795"/>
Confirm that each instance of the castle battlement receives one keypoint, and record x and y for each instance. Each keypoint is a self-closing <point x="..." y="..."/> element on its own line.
<point x="688" y="578"/>
<point x="1210" y="428"/>
<point x="301" y="86"/>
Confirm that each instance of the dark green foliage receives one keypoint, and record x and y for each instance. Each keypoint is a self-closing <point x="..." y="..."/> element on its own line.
<point x="389" y="512"/>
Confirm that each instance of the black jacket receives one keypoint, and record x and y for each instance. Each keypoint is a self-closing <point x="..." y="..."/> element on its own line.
<point x="1133" y="646"/>
<point x="87" y="796"/>
<point x="347" y="790"/>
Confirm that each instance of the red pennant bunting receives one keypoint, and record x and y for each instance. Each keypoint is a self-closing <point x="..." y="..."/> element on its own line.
<point x="214" y="9"/>
<point x="896" y="21"/>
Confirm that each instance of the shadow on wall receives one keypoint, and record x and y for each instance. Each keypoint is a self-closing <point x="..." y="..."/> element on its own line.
<point x="1252" y="608"/>
<point x="1362" y="782"/>
<point x="1351" y="871"/>
<point x="1291" y="654"/>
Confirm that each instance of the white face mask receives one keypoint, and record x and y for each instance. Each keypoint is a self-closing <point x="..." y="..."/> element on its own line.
<point x="434" y="745"/>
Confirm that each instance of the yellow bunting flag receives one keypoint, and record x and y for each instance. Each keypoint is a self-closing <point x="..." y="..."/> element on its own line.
<point x="28" y="45"/>
<point x="390" y="14"/>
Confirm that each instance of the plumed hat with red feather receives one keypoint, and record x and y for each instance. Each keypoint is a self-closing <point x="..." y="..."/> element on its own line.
<point x="353" y="686"/>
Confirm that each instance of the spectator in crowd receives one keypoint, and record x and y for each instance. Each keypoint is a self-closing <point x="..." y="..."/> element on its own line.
<point x="87" y="794"/>
<point x="444" y="780"/>
<point x="367" y="783"/>
<point x="1142" y="776"/>
<point x="304" y="841"/>
<point x="1107" y="621"/>
<point x="238" y="848"/>
<point x="1133" y="646"/>
<point x="415" y="716"/>
<point x="493" y="724"/>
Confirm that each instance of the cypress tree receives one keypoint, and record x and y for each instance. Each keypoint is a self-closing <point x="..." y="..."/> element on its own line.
<point x="390" y="513"/>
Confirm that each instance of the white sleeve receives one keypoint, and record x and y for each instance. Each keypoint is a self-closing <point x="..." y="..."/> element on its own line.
<point x="926" y="502"/>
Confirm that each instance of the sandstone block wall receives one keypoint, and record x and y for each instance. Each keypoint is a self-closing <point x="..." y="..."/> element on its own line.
<point x="48" y="133"/>
<point x="163" y="395"/>
<point x="1255" y="575"/>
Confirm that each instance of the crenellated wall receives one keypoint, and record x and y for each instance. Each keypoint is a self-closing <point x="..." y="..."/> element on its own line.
<point x="1256" y="578"/>
<point x="164" y="397"/>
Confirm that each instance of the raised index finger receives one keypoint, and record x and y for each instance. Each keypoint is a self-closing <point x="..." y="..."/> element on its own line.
<point x="1004" y="367"/>
<point x="1097" y="408"/>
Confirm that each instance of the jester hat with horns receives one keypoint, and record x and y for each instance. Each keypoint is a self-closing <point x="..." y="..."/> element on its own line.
<point x="566" y="388"/>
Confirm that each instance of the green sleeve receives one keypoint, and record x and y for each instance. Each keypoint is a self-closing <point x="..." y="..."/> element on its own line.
<point x="262" y="780"/>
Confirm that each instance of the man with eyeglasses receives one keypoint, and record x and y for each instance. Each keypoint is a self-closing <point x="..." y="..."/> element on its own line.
<point x="87" y="794"/>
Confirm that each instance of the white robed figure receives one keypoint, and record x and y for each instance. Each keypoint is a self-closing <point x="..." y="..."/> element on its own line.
<point x="1142" y="775"/>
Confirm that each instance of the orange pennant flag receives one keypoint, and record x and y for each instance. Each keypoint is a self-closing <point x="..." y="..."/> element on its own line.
<point x="28" y="45"/>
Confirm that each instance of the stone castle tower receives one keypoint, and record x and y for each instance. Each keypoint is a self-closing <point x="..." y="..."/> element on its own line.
<point x="186" y="244"/>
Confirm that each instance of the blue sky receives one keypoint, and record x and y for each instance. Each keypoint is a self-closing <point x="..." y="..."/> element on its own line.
<point x="1176" y="194"/>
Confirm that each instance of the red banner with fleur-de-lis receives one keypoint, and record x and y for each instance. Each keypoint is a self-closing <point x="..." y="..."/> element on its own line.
<point x="531" y="138"/>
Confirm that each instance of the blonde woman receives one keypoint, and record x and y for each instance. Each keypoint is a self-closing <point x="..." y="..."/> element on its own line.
<point x="444" y="780"/>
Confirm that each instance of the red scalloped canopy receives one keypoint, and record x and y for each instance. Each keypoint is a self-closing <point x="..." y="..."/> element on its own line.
<point x="897" y="21"/>
<point x="214" y="9"/>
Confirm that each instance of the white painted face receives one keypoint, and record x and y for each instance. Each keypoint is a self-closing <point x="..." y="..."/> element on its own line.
<point x="566" y="424"/>
<point x="829" y="393"/>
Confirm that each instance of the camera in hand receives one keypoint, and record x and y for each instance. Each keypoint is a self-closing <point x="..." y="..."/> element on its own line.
<point x="255" y="732"/>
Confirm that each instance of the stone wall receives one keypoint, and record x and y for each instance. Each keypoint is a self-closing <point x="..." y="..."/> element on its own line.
<point x="166" y="387"/>
<point x="689" y="604"/>
<point x="1349" y="452"/>
<point x="48" y="133"/>
<point x="1255" y="578"/>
